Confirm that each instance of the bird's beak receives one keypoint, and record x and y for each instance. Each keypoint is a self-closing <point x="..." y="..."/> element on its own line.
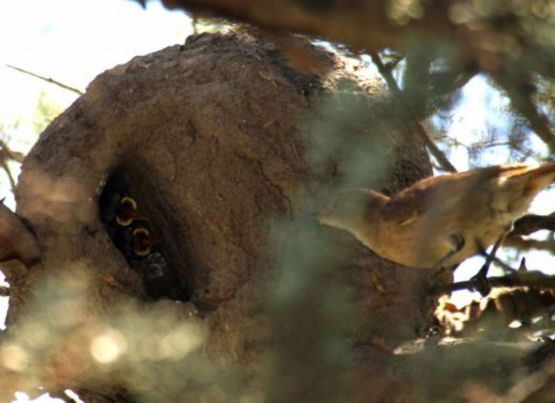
<point x="125" y="219"/>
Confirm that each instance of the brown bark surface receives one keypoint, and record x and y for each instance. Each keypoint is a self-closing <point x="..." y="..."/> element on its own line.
<point x="478" y="35"/>
<point x="213" y="140"/>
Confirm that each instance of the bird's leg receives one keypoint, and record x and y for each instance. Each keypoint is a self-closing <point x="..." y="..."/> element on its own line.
<point x="499" y="262"/>
<point x="481" y="280"/>
<point x="458" y="243"/>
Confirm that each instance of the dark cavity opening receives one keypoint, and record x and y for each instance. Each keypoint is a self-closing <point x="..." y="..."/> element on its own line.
<point x="142" y="227"/>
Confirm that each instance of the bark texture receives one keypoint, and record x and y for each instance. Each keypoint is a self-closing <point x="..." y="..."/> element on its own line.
<point x="214" y="139"/>
<point x="491" y="38"/>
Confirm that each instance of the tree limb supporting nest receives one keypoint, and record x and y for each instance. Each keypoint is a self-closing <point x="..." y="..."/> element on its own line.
<point x="16" y="239"/>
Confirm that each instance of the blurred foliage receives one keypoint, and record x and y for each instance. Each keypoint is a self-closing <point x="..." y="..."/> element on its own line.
<point x="7" y="155"/>
<point x="312" y="314"/>
<point x="545" y="96"/>
<point x="310" y="311"/>
<point x="513" y="49"/>
<point x="154" y="349"/>
<point x="208" y="25"/>
<point x="347" y="133"/>
<point x="45" y="112"/>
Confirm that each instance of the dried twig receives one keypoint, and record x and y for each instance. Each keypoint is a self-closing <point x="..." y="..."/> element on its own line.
<point x="533" y="279"/>
<point x="523" y="104"/>
<point x="420" y="131"/>
<point x="47" y="79"/>
<point x="4" y="291"/>
<point x="531" y="223"/>
<point x="7" y="153"/>
<point x="519" y="243"/>
<point x="9" y="174"/>
<point x="498" y="261"/>
<point x="17" y="241"/>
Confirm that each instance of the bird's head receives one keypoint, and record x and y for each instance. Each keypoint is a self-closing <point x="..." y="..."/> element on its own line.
<point x="142" y="242"/>
<point x="128" y="211"/>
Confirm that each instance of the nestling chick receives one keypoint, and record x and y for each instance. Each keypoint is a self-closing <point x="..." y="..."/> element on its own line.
<point x="116" y="209"/>
<point x="128" y="211"/>
<point x="440" y="220"/>
<point x="141" y="242"/>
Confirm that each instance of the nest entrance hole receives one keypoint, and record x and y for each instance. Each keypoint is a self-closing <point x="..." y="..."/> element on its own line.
<point x="142" y="227"/>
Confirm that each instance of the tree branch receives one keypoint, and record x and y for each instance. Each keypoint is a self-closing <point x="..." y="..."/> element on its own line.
<point x="519" y="243"/>
<point x="532" y="279"/>
<point x="47" y="79"/>
<point x="6" y="169"/>
<point x="17" y="241"/>
<point x="420" y="131"/>
<point x="6" y="152"/>
<point x="517" y="89"/>
<point x="368" y="24"/>
<point x="416" y="79"/>
<point x="530" y="223"/>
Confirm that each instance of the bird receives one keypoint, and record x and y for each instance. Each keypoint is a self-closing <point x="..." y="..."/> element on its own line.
<point x="441" y="220"/>
<point x="132" y="234"/>
<point x="141" y="242"/>
<point x="119" y="210"/>
<point x="134" y="241"/>
<point x="127" y="211"/>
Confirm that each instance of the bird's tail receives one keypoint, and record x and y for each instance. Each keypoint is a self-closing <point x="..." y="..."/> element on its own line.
<point x="538" y="177"/>
<point x="546" y="169"/>
<point x="520" y="183"/>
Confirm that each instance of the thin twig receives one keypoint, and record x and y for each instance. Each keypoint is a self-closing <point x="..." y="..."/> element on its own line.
<point x="450" y="81"/>
<point x="7" y="152"/>
<point x="523" y="104"/>
<point x="9" y="174"/>
<point x="530" y="223"/>
<point x="420" y="131"/>
<point x="533" y="279"/>
<point x="47" y="79"/>
<point x="498" y="261"/>
<point x="519" y="243"/>
<point x="416" y="80"/>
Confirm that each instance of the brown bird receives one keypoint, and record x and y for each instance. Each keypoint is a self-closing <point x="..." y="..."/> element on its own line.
<point x="441" y="220"/>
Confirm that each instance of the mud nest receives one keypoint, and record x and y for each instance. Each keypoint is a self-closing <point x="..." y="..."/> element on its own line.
<point x="166" y="177"/>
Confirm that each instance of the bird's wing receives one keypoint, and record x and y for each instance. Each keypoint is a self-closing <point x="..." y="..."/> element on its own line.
<point x="443" y="192"/>
<point x="517" y="188"/>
